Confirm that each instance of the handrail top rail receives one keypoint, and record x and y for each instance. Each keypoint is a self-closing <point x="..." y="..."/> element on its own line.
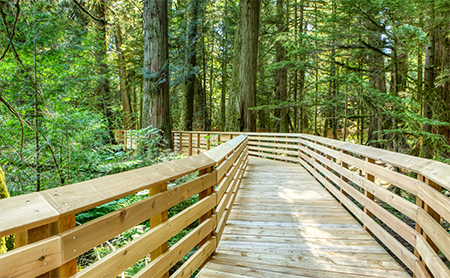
<point x="435" y="171"/>
<point x="35" y="209"/>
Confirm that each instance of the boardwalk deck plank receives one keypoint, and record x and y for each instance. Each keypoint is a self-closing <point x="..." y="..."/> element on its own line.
<point x="285" y="224"/>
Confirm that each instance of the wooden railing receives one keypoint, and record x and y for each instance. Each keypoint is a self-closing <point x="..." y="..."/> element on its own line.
<point x="48" y="241"/>
<point x="411" y="220"/>
<point x="127" y="137"/>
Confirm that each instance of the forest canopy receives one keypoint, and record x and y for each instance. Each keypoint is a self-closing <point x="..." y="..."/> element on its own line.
<point x="73" y="71"/>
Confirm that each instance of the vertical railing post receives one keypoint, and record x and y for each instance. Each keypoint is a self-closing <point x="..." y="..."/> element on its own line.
<point x="431" y="212"/>
<point x="125" y="140"/>
<point x="190" y="144"/>
<point x="39" y="233"/>
<point x="180" y="142"/>
<point x="202" y="195"/>
<point x="131" y="139"/>
<point x="275" y="148"/>
<point x="198" y="143"/>
<point x="344" y="165"/>
<point x="259" y="145"/>
<point x="155" y="221"/>
<point x="369" y="195"/>
<point x="173" y="140"/>
<point x="70" y="268"/>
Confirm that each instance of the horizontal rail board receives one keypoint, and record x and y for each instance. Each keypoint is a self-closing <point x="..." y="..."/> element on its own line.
<point x="354" y="172"/>
<point x="36" y="209"/>
<point x="122" y="258"/>
<point x="83" y="238"/>
<point x="163" y="263"/>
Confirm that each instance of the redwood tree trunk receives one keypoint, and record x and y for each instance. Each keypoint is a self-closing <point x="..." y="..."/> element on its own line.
<point x="124" y="88"/>
<point x="103" y="86"/>
<point x="187" y="113"/>
<point x="249" y="11"/>
<point x="281" y="73"/>
<point x="156" y="105"/>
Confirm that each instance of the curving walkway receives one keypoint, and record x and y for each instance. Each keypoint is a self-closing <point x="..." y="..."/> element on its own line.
<point x="285" y="224"/>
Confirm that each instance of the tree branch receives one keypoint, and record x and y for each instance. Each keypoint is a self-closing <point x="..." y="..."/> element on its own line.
<point x="13" y="33"/>
<point x="102" y="20"/>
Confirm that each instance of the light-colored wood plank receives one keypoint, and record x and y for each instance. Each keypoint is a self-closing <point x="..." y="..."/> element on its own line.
<point x="431" y="259"/>
<point x="122" y="258"/>
<point x="433" y="229"/>
<point x="284" y="224"/>
<point x="195" y="261"/>
<point x="176" y="252"/>
<point x="32" y="260"/>
<point x="84" y="237"/>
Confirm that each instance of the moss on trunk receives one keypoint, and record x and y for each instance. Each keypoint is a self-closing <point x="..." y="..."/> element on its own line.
<point x="5" y="242"/>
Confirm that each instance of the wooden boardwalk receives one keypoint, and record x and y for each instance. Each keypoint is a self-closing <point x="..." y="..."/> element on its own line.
<point x="285" y="224"/>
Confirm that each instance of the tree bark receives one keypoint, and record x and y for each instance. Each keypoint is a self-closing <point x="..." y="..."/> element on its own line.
<point x="124" y="88"/>
<point x="426" y="148"/>
<point x="224" y="69"/>
<point x="187" y="113"/>
<point x="282" y="124"/>
<point x="103" y="90"/>
<point x="249" y="12"/>
<point x="156" y="99"/>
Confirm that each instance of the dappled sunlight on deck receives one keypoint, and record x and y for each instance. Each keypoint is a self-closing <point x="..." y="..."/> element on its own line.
<point x="285" y="224"/>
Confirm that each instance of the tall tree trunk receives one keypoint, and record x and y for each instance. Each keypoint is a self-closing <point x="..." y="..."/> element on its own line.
<point x="206" y="121"/>
<point x="103" y="87"/>
<point x="156" y="99"/>
<point x="377" y="79"/>
<point x="124" y="88"/>
<point x="281" y="73"/>
<point x="187" y="114"/>
<point x="426" y="148"/>
<point x="224" y="68"/>
<point x="249" y="12"/>
<point x="442" y="67"/>
<point x="302" y="116"/>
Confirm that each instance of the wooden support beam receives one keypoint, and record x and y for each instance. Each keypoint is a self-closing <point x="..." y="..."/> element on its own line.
<point x="155" y="221"/>
<point x="368" y="194"/>
<point x="190" y="145"/>
<point x="198" y="143"/>
<point x="202" y="195"/>
<point x="434" y="215"/>
<point x="39" y="233"/>
<point x="70" y="268"/>
<point x="180" y="142"/>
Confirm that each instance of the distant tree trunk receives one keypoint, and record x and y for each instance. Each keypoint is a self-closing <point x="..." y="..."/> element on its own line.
<point x="282" y="124"/>
<point x="156" y="99"/>
<point x="103" y="87"/>
<point x="205" y="115"/>
<point x="124" y="88"/>
<point x="378" y="81"/>
<point x="398" y="84"/>
<point x="299" y="77"/>
<point x="224" y="69"/>
<point x="426" y="148"/>
<point x="249" y="12"/>
<point x="442" y="66"/>
<point x="134" y="115"/>
<point x="187" y="112"/>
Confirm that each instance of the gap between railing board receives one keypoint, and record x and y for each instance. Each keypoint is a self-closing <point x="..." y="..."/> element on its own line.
<point x="49" y="243"/>
<point x="354" y="175"/>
